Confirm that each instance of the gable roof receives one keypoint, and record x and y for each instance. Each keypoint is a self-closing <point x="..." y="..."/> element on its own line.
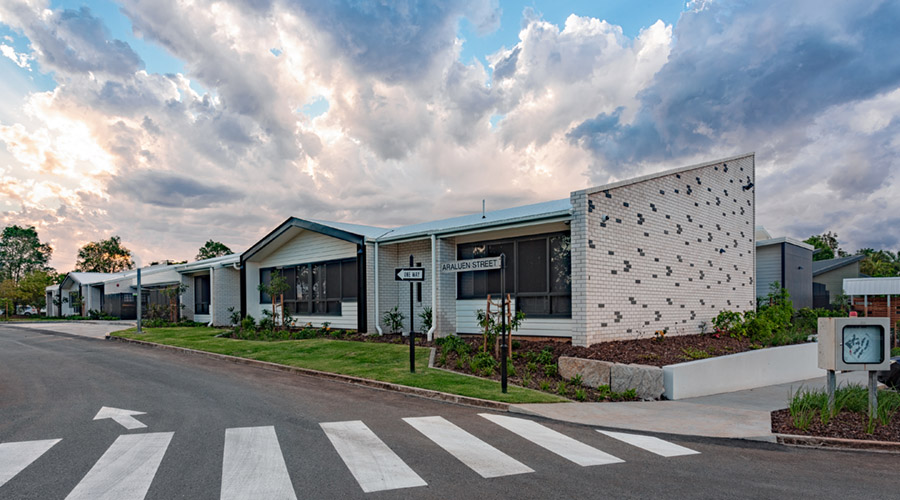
<point x="823" y="266"/>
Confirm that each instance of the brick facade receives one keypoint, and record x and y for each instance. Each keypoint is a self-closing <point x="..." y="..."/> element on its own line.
<point x="665" y="252"/>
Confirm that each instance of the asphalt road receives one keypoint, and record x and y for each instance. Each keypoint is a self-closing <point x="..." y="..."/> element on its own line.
<point x="52" y="386"/>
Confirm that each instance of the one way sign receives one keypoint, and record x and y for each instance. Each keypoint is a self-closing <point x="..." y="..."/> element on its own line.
<point x="409" y="274"/>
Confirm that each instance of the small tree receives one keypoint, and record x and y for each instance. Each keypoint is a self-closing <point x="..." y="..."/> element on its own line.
<point x="33" y="287"/>
<point x="276" y="288"/>
<point x="9" y="295"/>
<point x="212" y="249"/>
<point x="171" y="293"/>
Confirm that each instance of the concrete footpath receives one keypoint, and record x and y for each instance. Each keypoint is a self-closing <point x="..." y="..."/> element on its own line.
<point x="82" y="328"/>
<point x="741" y="414"/>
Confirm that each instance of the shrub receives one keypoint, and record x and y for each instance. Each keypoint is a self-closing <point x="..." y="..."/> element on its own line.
<point x="550" y="370"/>
<point x="393" y="319"/>
<point x="248" y="323"/>
<point x="484" y="364"/>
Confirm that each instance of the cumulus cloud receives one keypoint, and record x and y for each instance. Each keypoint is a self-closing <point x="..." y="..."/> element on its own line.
<point x="405" y="134"/>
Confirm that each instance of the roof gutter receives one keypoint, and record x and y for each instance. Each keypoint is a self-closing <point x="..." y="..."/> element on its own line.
<point x="558" y="216"/>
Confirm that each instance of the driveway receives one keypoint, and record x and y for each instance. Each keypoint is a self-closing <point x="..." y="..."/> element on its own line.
<point x="92" y="329"/>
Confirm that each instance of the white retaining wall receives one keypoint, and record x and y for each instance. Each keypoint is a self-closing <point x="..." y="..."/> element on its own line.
<point x="746" y="370"/>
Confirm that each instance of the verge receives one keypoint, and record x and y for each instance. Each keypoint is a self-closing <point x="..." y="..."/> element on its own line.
<point x="375" y="384"/>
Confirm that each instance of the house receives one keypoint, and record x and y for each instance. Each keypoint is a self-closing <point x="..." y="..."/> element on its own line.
<point x="78" y="294"/>
<point x="829" y="276"/>
<point x="786" y="261"/>
<point x="666" y="251"/>
<point x="212" y="289"/>
<point x="876" y="297"/>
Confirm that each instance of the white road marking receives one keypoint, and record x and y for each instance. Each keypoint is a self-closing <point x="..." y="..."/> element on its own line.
<point x="253" y="466"/>
<point x="651" y="444"/>
<point x="478" y="455"/>
<point x="123" y="417"/>
<point x="560" y="444"/>
<point x="126" y="470"/>
<point x="372" y="463"/>
<point x="14" y="457"/>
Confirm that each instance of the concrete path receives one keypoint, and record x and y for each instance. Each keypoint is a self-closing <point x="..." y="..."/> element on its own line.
<point x="741" y="414"/>
<point x="84" y="328"/>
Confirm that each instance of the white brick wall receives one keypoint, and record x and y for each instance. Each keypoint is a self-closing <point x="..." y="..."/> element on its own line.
<point x="675" y="251"/>
<point x="225" y="292"/>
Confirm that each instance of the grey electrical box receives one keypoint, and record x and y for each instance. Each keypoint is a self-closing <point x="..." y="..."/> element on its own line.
<point x="858" y="344"/>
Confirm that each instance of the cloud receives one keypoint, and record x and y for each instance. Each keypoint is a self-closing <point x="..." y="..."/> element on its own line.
<point x="812" y="87"/>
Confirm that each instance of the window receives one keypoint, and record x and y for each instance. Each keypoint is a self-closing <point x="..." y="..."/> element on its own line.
<point x="201" y="295"/>
<point x="538" y="273"/>
<point x="315" y="288"/>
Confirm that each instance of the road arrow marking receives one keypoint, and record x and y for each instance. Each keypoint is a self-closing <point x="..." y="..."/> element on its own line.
<point x="121" y="416"/>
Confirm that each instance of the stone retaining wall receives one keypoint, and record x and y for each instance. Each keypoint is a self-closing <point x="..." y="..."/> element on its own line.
<point x="647" y="381"/>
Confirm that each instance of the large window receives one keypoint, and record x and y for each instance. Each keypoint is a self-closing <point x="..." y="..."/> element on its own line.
<point x="538" y="273"/>
<point x="315" y="288"/>
<point x="201" y="295"/>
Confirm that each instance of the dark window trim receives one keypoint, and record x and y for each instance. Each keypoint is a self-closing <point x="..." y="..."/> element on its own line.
<point x="512" y="275"/>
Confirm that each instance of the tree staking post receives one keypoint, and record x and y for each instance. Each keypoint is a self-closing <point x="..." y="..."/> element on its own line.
<point x="503" y="306"/>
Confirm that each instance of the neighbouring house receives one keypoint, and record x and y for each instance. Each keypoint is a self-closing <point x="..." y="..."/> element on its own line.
<point x="79" y="293"/>
<point x="786" y="261"/>
<point x="666" y="251"/>
<point x="212" y="289"/>
<point x="157" y="294"/>
<point x="829" y="276"/>
<point x="875" y="297"/>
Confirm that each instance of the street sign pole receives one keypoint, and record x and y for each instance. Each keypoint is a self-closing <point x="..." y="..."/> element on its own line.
<point x="139" y="297"/>
<point x="412" y="335"/>
<point x="503" y="340"/>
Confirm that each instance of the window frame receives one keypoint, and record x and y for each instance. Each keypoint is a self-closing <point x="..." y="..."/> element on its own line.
<point x="198" y="294"/>
<point x="512" y="273"/>
<point x="321" y="304"/>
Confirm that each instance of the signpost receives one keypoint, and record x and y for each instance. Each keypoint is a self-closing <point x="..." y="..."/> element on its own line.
<point x="487" y="264"/>
<point x="410" y="274"/>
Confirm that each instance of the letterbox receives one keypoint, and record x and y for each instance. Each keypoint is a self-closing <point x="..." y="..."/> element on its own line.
<point x="859" y="344"/>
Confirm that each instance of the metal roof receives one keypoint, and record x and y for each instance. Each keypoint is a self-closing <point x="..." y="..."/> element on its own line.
<point x="223" y="260"/>
<point x="525" y="213"/>
<point x="823" y="266"/>
<point x="785" y="239"/>
<point x="872" y="286"/>
<point x="370" y="232"/>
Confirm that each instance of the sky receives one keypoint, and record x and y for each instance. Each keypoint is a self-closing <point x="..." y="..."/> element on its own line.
<point x="172" y="122"/>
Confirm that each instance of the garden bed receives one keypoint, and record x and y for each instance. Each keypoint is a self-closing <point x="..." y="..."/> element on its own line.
<point x="808" y="415"/>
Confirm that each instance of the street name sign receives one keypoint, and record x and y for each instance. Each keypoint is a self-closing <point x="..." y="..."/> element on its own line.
<point x="409" y="274"/>
<point x="459" y="266"/>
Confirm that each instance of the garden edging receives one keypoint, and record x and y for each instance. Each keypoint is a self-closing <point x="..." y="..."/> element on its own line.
<point x="375" y="384"/>
<point x="741" y="371"/>
<point x="838" y="443"/>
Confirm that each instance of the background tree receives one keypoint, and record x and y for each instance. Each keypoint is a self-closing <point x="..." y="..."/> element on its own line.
<point x="32" y="288"/>
<point x="879" y="263"/>
<point x="212" y="249"/>
<point x="22" y="252"/>
<point x="827" y="244"/>
<point x="105" y="256"/>
<point x="9" y="296"/>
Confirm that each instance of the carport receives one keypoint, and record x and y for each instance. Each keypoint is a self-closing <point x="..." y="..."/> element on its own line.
<point x="881" y="290"/>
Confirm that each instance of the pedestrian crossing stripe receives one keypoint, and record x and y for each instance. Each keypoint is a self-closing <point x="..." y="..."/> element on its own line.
<point x="253" y="466"/>
<point x="651" y="444"/>
<point x="479" y="456"/>
<point x="126" y="470"/>
<point x="562" y="445"/>
<point x="14" y="457"/>
<point x="374" y="465"/>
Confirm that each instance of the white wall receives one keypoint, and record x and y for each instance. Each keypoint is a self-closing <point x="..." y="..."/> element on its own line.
<point x="538" y="327"/>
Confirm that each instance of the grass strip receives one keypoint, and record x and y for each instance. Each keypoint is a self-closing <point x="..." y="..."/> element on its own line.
<point x="371" y="360"/>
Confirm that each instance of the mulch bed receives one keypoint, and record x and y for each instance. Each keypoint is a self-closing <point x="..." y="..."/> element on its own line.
<point x="650" y="351"/>
<point x="846" y="425"/>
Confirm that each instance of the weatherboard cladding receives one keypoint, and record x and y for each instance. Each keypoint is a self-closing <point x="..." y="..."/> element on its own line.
<point x="676" y="249"/>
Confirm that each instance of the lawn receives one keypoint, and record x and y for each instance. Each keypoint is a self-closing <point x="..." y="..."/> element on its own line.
<point x="377" y="361"/>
